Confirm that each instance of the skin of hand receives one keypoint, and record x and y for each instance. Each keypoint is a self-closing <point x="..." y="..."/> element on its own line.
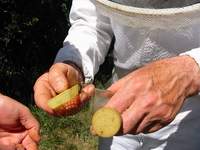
<point x="150" y="97"/>
<point x="18" y="127"/>
<point x="60" y="77"/>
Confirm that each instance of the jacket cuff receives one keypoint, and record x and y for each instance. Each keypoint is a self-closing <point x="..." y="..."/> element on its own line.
<point x="195" y="54"/>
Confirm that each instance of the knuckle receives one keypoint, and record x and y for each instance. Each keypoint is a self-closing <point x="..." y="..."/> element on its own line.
<point x="138" y="85"/>
<point x="150" y="100"/>
<point x="55" y="68"/>
<point x="164" y="113"/>
<point x="167" y="117"/>
<point x="54" y="72"/>
<point x="56" y="65"/>
<point x="26" y="110"/>
<point x="40" y="80"/>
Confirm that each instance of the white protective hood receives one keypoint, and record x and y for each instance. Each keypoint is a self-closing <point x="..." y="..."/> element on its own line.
<point x="163" y="14"/>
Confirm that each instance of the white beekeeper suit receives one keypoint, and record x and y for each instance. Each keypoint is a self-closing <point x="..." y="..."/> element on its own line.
<point x="139" y="39"/>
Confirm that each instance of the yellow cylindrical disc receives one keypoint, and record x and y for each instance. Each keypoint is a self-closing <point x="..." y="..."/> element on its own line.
<point x="106" y="122"/>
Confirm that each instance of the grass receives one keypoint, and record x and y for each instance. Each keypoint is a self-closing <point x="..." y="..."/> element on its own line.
<point x="65" y="133"/>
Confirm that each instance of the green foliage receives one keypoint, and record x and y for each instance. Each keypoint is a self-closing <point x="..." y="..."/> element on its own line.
<point x="31" y="32"/>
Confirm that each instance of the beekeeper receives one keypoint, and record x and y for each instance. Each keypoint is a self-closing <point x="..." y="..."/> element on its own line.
<point x="156" y="76"/>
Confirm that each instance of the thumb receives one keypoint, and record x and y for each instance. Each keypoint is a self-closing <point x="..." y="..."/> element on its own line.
<point x="30" y="123"/>
<point x="62" y="76"/>
<point x="87" y="92"/>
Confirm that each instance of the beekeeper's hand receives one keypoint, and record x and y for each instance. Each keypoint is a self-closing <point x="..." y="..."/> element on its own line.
<point x="150" y="97"/>
<point x="60" y="77"/>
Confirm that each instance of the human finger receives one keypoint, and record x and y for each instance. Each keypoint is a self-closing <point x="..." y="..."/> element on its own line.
<point x="7" y="147"/>
<point x="132" y="118"/>
<point x="29" y="143"/>
<point x="122" y="99"/>
<point x="158" y="117"/>
<point x="120" y="83"/>
<point x="19" y="147"/>
<point x="43" y="92"/>
<point x="30" y="124"/>
<point x="153" y="127"/>
<point x="62" y="76"/>
<point x="86" y="93"/>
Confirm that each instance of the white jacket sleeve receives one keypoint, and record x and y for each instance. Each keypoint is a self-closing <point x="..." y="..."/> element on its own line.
<point x="195" y="54"/>
<point x="88" y="39"/>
